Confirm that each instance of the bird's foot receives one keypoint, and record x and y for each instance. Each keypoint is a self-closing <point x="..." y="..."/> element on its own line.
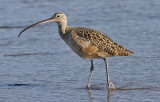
<point x="111" y="85"/>
<point x="88" y="87"/>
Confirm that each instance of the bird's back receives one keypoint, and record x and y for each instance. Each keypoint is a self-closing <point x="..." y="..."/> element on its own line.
<point x="94" y="44"/>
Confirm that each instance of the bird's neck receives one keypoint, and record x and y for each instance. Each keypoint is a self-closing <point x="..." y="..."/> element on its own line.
<point x="62" y="27"/>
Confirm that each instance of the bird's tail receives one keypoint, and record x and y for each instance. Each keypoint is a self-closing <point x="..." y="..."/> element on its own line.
<point x="123" y="51"/>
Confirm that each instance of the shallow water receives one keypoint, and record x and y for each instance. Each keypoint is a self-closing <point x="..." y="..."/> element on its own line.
<point x="40" y="67"/>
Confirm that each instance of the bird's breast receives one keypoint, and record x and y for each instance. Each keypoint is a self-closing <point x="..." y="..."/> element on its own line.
<point x="81" y="47"/>
<point x="75" y="46"/>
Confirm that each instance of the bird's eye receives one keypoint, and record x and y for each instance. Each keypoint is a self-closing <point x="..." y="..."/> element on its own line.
<point x="58" y="16"/>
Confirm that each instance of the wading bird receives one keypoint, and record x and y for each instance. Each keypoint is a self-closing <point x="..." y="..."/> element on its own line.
<point x="87" y="43"/>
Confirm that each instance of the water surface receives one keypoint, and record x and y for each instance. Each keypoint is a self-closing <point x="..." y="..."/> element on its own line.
<point x="40" y="67"/>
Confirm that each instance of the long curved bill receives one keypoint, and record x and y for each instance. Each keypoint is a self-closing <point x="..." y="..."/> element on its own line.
<point x="44" y="21"/>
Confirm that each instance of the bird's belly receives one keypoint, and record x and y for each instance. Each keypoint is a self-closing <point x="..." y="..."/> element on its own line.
<point x="78" y="49"/>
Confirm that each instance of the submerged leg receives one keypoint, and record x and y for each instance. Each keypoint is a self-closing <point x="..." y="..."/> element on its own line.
<point x="91" y="72"/>
<point x="110" y="84"/>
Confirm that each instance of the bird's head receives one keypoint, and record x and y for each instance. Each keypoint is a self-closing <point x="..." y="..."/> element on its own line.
<point x="59" y="17"/>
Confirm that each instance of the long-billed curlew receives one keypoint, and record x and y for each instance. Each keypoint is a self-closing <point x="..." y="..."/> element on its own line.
<point x="87" y="43"/>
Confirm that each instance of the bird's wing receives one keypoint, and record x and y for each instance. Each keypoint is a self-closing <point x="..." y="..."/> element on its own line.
<point x="97" y="39"/>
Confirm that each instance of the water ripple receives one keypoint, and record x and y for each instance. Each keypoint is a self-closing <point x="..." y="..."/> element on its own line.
<point x="10" y="27"/>
<point x="26" y="54"/>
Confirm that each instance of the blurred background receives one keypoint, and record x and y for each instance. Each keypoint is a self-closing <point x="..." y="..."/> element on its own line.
<point x="40" y="67"/>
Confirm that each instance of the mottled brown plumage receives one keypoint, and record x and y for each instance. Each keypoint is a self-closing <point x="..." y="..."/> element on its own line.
<point x="92" y="43"/>
<point x="87" y="43"/>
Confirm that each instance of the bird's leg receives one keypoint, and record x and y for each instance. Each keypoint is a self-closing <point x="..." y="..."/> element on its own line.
<point x="91" y="72"/>
<point x="110" y="84"/>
